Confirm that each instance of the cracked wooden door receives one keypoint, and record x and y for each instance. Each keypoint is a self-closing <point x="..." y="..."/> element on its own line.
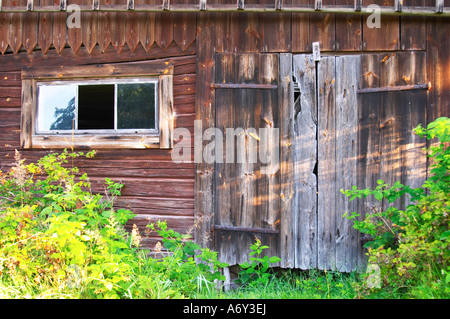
<point x="353" y="118"/>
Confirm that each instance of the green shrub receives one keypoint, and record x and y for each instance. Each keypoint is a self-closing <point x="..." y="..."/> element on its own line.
<point x="55" y="234"/>
<point x="411" y="246"/>
<point x="257" y="272"/>
<point x="189" y="267"/>
<point x="58" y="239"/>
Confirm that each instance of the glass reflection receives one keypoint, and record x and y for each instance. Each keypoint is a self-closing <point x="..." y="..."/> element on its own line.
<point x="56" y="107"/>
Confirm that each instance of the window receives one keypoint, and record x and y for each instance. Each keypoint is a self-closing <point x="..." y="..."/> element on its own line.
<point x="121" y="105"/>
<point x="116" y="106"/>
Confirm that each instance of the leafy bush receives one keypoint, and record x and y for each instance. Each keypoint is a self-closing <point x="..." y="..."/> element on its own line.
<point x="189" y="267"/>
<point x="411" y="246"/>
<point x="257" y="272"/>
<point x="57" y="238"/>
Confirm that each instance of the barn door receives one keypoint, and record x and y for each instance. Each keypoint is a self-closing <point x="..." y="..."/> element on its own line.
<point x="353" y="117"/>
<point x="246" y="176"/>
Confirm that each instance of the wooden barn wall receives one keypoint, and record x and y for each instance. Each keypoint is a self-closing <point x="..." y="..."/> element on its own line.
<point x="425" y="38"/>
<point x="155" y="187"/>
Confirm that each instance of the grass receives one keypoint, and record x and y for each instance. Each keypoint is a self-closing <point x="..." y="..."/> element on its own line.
<point x="295" y="284"/>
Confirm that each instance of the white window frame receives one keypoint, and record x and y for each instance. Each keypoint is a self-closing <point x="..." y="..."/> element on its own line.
<point x="114" y="82"/>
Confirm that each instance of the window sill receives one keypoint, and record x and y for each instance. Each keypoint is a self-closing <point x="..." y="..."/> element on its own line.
<point x="95" y="141"/>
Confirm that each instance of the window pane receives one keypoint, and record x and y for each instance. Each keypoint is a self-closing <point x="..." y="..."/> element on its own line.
<point x="96" y="107"/>
<point x="56" y="107"/>
<point x="136" y="106"/>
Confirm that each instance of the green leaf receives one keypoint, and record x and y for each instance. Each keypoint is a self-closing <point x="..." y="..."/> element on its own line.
<point x="378" y="195"/>
<point x="244" y="265"/>
<point x="274" y="259"/>
<point x="445" y="234"/>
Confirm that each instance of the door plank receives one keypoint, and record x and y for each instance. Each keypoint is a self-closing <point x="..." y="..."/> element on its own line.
<point x="305" y="157"/>
<point x="326" y="170"/>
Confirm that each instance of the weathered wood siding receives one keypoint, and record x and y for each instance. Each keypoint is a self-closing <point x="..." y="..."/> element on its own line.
<point x="327" y="143"/>
<point x="155" y="188"/>
<point x="340" y="137"/>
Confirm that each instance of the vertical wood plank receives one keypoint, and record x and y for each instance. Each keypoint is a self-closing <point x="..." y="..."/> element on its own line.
<point x="74" y="34"/>
<point x="164" y="29"/>
<point x="45" y="28"/>
<point x="247" y="103"/>
<point x="89" y="25"/>
<point x="184" y="29"/>
<point x="300" y="30"/>
<point x="275" y="32"/>
<point x="15" y="26"/>
<point x="347" y="108"/>
<point x="132" y="29"/>
<point x="391" y="119"/>
<point x="438" y="59"/>
<point x="369" y="154"/>
<point x="166" y="111"/>
<point x="104" y="23"/>
<point x="118" y="28"/>
<point x="225" y="172"/>
<point x="59" y="30"/>
<point x="147" y="27"/>
<point x="4" y="30"/>
<point x="268" y="174"/>
<point x="348" y="30"/>
<point x="28" y="106"/>
<point x="30" y="31"/>
<point x="414" y="160"/>
<point x="323" y="28"/>
<point x="286" y="99"/>
<point x="413" y="29"/>
<point x="205" y="114"/>
<point x="413" y="70"/>
<point x="305" y="158"/>
<point x="247" y="31"/>
<point x="387" y="37"/>
<point x="326" y="169"/>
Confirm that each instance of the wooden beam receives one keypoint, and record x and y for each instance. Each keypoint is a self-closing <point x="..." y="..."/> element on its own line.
<point x="99" y="71"/>
<point x="242" y="86"/>
<point x="438" y="10"/>
<point x="423" y="86"/>
<point x="245" y="229"/>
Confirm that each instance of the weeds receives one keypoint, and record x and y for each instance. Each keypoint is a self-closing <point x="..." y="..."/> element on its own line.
<point x="57" y="238"/>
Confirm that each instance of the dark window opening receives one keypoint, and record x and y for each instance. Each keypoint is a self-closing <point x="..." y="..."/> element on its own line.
<point x="136" y="106"/>
<point x="96" y="107"/>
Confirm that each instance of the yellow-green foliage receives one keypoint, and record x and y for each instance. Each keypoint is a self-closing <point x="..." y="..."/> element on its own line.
<point x="58" y="239"/>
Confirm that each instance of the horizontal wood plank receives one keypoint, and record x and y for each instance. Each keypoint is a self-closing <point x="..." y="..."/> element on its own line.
<point x="100" y="70"/>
